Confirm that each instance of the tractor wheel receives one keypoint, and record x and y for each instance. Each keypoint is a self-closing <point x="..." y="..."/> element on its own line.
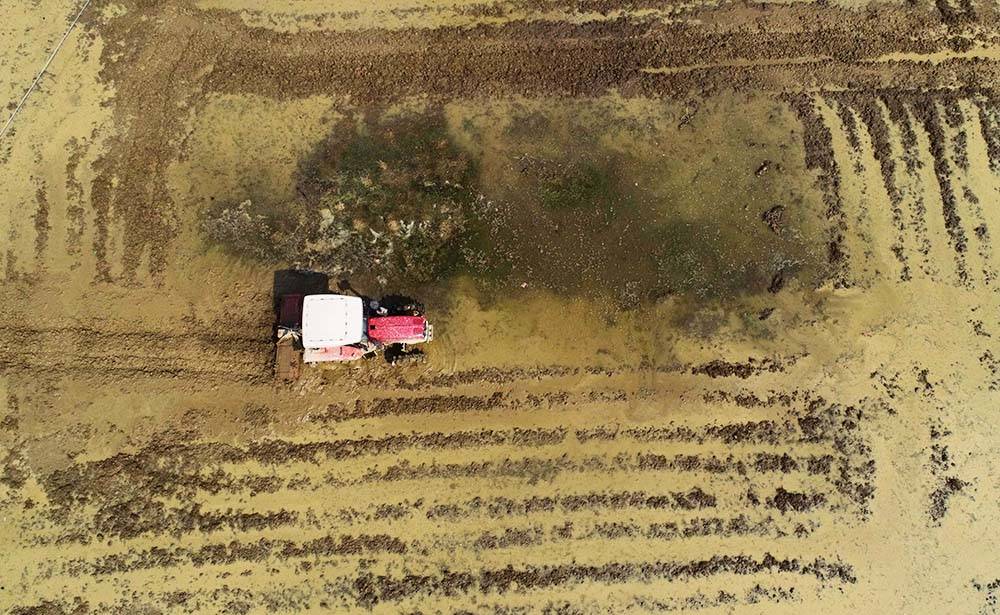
<point x="401" y="305"/>
<point x="397" y="356"/>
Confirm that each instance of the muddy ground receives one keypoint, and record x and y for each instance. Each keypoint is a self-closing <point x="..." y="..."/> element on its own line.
<point x="714" y="291"/>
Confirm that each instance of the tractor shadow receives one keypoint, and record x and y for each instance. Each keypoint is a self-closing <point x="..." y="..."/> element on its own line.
<point x="297" y="282"/>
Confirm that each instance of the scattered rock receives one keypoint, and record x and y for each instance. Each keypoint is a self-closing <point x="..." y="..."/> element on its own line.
<point x="791" y="500"/>
<point x="777" y="282"/>
<point x="940" y="496"/>
<point x="774" y="218"/>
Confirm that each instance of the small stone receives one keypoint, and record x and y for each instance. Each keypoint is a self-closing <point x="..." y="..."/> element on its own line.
<point x="774" y="218"/>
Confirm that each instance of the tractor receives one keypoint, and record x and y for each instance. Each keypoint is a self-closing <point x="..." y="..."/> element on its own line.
<point x="318" y="327"/>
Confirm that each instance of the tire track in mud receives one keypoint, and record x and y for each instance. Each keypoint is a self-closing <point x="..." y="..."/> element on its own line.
<point x="111" y="355"/>
<point x="620" y="54"/>
<point x="96" y="351"/>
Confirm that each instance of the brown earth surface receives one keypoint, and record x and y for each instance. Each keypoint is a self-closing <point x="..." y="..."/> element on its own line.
<point x="793" y="411"/>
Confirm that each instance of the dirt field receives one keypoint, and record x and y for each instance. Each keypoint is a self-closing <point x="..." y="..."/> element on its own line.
<point x="714" y="297"/>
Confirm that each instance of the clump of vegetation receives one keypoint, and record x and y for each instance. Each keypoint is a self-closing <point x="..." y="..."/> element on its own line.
<point x="385" y="197"/>
<point x="564" y="212"/>
<point x="392" y="197"/>
<point x="577" y="184"/>
<point x="251" y="230"/>
<point x="569" y="200"/>
<point x="585" y="200"/>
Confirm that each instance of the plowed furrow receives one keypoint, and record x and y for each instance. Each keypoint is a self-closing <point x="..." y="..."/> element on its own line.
<point x="705" y="526"/>
<point x="929" y="115"/>
<point x="874" y="117"/>
<point x="989" y="120"/>
<point x="818" y="143"/>
<point x="751" y="592"/>
<point x="368" y="545"/>
<point x="372" y="589"/>
<point x="153" y="516"/>
<point x="977" y="183"/>
<point x="535" y="469"/>
<point x="232" y="552"/>
<point x="866" y="256"/>
<point x="932" y="126"/>
<point x="328" y="582"/>
<point x="717" y="368"/>
<point x="906" y="148"/>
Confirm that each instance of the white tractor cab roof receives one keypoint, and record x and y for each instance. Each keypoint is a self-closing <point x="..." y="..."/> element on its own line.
<point x="332" y="320"/>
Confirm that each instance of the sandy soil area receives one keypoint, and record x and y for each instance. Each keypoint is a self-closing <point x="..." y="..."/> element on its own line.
<point x="757" y="373"/>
